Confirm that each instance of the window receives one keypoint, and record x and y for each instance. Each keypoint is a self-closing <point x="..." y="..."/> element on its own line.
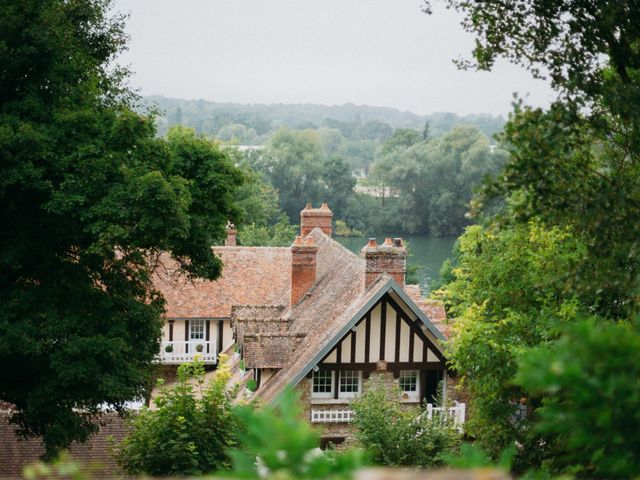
<point x="322" y="384"/>
<point x="349" y="384"/>
<point x="409" y="383"/>
<point x="196" y="330"/>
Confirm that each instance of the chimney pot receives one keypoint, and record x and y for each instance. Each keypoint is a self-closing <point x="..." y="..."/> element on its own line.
<point x="311" y="218"/>
<point x="389" y="258"/>
<point x="232" y="233"/>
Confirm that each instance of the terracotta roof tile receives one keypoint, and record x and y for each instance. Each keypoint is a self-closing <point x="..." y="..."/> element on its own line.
<point x="251" y="276"/>
<point x="433" y="309"/>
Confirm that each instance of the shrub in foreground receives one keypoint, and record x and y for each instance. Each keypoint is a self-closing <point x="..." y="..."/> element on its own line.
<point x="398" y="435"/>
<point x="190" y="430"/>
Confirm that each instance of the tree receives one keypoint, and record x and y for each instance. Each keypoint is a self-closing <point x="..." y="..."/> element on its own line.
<point x="89" y="196"/>
<point x="190" y="430"/>
<point x="401" y="139"/>
<point x="508" y="294"/>
<point x="292" y="164"/>
<point x="338" y="184"/>
<point x="573" y="167"/>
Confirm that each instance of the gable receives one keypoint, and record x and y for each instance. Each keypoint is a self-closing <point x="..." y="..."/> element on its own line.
<point x="390" y="331"/>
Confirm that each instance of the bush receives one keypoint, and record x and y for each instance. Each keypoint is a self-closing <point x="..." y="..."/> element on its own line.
<point x="285" y="446"/>
<point x="252" y="385"/>
<point x="190" y="430"/>
<point x="397" y="435"/>
<point x="589" y="380"/>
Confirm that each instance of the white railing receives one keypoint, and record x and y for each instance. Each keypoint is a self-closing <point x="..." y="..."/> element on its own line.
<point x="457" y="413"/>
<point x="175" y="352"/>
<point x="332" y="416"/>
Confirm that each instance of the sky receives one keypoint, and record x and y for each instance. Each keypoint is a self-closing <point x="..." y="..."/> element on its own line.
<point x="371" y="52"/>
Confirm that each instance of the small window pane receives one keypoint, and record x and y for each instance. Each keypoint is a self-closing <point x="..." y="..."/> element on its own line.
<point x="322" y="381"/>
<point x="350" y="382"/>
<point x="408" y="381"/>
<point x="196" y="329"/>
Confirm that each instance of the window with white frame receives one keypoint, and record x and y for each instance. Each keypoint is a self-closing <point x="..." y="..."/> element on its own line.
<point x="409" y="383"/>
<point x="349" y="383"/>
<point x="196" y="330"/>
<point x="322" y="386"/>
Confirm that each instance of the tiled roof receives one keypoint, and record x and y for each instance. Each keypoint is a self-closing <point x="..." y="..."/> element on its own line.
<point x="250" y="276"/>
<point x="433" y="309"/>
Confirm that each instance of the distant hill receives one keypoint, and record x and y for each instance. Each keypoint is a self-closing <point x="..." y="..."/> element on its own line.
<point x="210" y="117"/>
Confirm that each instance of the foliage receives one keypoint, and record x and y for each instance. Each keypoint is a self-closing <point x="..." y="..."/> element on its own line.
<point x="397" y="435"/>
<point x="508" y="294"/>
<point x="252" y="385"/>
<point x="88" y="196"/>
<point x="401" y="139"/>
<point x="285" y="446"/>
<point x="281" y="234"/>
<point x="588" y="380"/>
<point x="435" y="180"/>
<point x="354" y="122"/>
<point x="341" y="229"/>
<point x="338" y="184"/>
<point x="62" y="467"/>
<point x="574" y="168"/>
<point x="472" y="456"/>
<point x="190" y="429"/>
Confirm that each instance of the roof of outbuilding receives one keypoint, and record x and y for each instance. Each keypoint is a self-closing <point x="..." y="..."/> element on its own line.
<point x="250" y="276"/>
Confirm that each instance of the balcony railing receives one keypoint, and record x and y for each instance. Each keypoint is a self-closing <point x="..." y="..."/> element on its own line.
<point x="176" y="352"/>
<point x="456" y="413"/>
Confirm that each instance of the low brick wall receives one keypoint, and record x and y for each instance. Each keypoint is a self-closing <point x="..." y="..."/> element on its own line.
<point x="15" y="453"/>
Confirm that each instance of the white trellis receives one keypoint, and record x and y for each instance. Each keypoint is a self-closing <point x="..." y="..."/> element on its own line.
<point x="332" y="416"/>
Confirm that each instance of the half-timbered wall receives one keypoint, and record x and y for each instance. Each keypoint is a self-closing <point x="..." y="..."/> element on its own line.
<point x="388" y="333"/>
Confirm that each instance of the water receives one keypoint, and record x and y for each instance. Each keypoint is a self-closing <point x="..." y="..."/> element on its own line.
<point x="428" y="253"/>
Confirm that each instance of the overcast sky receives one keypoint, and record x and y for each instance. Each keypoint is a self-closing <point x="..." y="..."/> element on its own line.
<point x="374" y="52"/>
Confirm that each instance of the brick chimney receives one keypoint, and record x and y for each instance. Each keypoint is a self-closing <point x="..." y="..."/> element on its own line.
<point x="390" y="257"/>
<point x="311" y="218"/>
<point x="232" y="233"/>
<point x="303" y="267"/>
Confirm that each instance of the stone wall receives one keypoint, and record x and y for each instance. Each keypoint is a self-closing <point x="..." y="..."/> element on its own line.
<point x="96" y="453"/>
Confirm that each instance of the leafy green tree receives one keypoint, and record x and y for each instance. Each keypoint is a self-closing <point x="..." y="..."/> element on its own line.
<point x="338" y="184"/>
<point x="435" y="180"/>
<point x="280" y="234"/>
<point x="401" y="139"/>
<point x="293" y="165"/>
<point x="398" y="436"/>
<point x="589" y="384"/>
<point x="508" y="294"/>
<point x="188" y="432"/>
<point x="88" y="196"/>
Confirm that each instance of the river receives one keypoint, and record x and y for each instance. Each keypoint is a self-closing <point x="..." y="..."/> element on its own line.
<point x="428" y="253"/>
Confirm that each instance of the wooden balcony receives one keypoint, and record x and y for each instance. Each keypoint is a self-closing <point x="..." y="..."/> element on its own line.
<point x="177" y="352"/>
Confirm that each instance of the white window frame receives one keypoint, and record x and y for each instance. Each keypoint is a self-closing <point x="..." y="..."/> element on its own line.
<point x="196" y="326"/>
<point x="412" y="395"/>
<point x="328" y="394"/>
<point x="343" y="374"/>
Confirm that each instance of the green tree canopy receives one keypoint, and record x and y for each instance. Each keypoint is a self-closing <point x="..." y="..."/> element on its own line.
<point x="88" y="197"/>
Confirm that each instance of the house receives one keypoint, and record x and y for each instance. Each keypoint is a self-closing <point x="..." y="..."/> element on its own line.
<point x="314" y="316"/>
